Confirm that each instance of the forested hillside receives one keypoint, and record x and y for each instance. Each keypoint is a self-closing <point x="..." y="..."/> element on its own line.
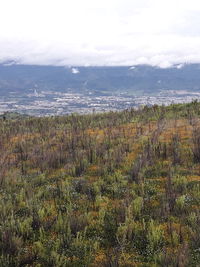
<point x="112" y="189"/>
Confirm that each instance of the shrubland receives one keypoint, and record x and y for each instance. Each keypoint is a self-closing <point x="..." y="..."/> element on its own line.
<point x="111" y="189"/>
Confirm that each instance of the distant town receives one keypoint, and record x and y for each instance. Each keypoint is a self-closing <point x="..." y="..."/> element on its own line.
<point x="49" y="103"/>
<point x="53" y="90"/>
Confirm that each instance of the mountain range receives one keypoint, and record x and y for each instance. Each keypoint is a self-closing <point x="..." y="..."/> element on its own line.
<point x="50" y="90"/>
<point x="142" y="79"/>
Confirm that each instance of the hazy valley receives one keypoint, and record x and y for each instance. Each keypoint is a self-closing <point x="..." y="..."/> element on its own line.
<point x="48" y="90"/>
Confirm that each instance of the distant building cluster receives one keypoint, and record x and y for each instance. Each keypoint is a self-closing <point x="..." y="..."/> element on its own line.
<point x="58" y="103"/>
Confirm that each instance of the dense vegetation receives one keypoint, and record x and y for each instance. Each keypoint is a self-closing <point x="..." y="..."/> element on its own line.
<point x="113" y="189"/>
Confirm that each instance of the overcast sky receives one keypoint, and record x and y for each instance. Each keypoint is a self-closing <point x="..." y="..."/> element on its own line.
<point x="100" y="32"/>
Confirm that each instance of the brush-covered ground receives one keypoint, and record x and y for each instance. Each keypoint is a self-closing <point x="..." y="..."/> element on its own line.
<point x="113" y="189"/>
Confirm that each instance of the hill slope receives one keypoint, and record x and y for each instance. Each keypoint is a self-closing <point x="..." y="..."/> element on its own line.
<point x="113" y="189"/>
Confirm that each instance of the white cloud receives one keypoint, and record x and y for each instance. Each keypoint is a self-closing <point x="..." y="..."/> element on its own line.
<point x="75" y="70"/>
<point x="106" y="32"/>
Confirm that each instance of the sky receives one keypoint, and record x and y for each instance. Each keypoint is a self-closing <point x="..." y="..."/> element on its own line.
<point x="100" y="32"/>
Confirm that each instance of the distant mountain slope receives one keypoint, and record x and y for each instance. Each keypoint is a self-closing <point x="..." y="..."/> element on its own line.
<point x="101" y="79"/>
